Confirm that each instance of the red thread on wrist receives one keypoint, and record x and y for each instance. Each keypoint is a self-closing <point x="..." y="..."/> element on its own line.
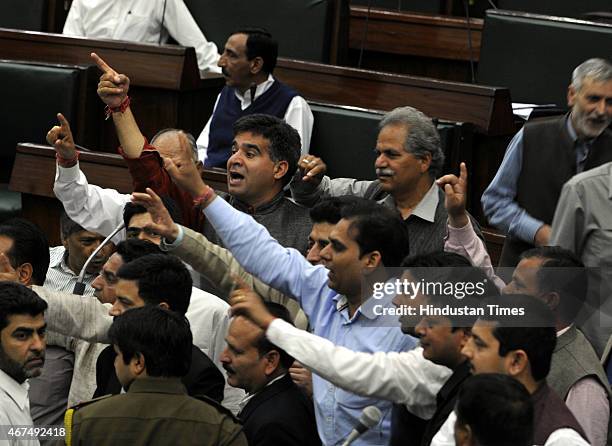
<point x="67" y="162"/>
<point x="108" y="111"/>
<point x="197" y="201"/>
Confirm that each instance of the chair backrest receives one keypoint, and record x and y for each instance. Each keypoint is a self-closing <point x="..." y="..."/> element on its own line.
<point x="345" y="138"/>
<point x="563" y="8"/>
<point x="535" y="55"/>
<point x="305" y="29"/>
<point x="33" y="95"/>
<point x="30" y="15"/>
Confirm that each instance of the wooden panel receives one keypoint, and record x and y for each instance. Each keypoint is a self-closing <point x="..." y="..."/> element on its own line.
<point x="408" y="33"/>
<point x="488" y="108"/>
<point x="157" y="66"/>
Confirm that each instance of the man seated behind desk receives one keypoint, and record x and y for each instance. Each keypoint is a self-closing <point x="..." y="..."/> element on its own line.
<point x="141" y="21"/>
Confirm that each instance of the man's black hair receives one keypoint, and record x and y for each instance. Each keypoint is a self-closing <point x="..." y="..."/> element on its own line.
<point x="30" y="245"/>
<point x="130" y="209"/>
<point x="497" y="408"/>
<point x="526" y="324"/>
<point x="161" y="278"/>
<point x="18" y="299"/>
<point x="285" y="143"/>
<point x="68" y="226"/>
<point x="562" y="272"/>
<point x="260" y="44"/>
<point x="375" y="227"/>
<point x="163" y="337"/>
<point x="329" y="210"/>
<point x="134" y="248"/>
<point x="264" y="346"/>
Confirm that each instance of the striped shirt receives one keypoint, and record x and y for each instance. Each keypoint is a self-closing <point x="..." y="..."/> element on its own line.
<point x="59" y="275"/>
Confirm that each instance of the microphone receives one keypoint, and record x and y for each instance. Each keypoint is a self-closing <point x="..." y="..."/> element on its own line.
<point x="79" y="287"/>
<point x="370" y="417"/>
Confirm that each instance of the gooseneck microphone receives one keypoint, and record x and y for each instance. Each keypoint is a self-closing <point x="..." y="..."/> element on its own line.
<point x="79" y="287"/>
<point x="370" y="417"/>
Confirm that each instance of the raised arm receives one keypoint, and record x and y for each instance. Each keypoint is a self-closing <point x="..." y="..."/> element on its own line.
<point x="113" y="91"/>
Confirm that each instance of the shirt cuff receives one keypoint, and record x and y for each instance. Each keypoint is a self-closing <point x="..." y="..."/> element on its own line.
<point x="68" y="174"/>
<point x="165" y="246"/>
<point x="526" y="228"/>
<point x="460" y="236"/>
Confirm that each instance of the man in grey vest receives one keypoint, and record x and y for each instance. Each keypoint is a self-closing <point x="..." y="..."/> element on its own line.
<point x="557" y="277"/>
<point x="546" y="153"/>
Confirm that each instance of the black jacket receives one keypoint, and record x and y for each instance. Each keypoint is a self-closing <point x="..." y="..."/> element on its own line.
<point x="204" y="377"/>
<point x="280" y="414"/>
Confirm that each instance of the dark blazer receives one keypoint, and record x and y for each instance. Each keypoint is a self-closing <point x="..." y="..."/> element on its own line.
<point x="280" y="414"/>
<point x="204" y="377"/>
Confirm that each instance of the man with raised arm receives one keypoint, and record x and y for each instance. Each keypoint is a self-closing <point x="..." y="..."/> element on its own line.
<point x="367" y="240"/>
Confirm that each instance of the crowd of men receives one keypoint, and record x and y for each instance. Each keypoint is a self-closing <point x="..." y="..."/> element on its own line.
<point x="289" y="309"/>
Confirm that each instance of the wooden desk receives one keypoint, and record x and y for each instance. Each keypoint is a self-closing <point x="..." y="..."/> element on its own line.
<point x="488" y="108"/>
<point x="166" y="89"/>
<point x="34" y="173"/>
<point x="414" y="43"/>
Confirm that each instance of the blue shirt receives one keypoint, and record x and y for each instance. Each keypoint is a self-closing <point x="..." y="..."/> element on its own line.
<point x="499" y="199"/>
<point x="287" y="270"/>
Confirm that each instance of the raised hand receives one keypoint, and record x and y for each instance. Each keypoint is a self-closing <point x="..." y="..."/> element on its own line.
<point x="455" y="196"/>
<point x="60" y="137"/>
<point x="183" y="170"/>
<point x="245" y="302"/>
<point x="162" y="223"/>
<point x="312" y="168"/>
<point x="113" y="87"/>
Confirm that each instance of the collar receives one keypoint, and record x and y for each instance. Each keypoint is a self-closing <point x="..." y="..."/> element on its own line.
<point x="242" y="404"/>
<point x="17" y="392"/>
<point x="564" y="330"/>
<point x="152" y="384"/>
<point x="266" y="208"/>
<point x="246" y="99"/>
<point x="58" y="257"/>
<point x="426" y="209"/>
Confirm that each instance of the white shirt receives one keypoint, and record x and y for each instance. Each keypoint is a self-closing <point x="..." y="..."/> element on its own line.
<point x="14" y="407"/>
<point x="61" y="278"/>
<point x="298" y="116"/>
<point x="141" y="21"/>
<point x="404" y="378"/>
<point x="560" y="437"/>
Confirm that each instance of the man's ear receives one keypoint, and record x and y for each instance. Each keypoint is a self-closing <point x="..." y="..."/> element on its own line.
<point x="551" y="299"/>
<point x="372" y="261"/>
<point x="425" y="162"/>
<point x="25" y="272"/>
<point x="463" y="434"/>
<point x="164" y="305"/>
<point x="280" y="169"/>
<point x="138" y="365"/>
<point x="257" y="64"/>
<point x="571" y="96"/>
<point x="272" y="359"/>
<point x="516" y="362"/>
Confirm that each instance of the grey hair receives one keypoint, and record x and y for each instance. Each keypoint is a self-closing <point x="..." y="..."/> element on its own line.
<point x="423" y="137"/>
<point x="598" y="70"/>
<point x="192" y="141"/>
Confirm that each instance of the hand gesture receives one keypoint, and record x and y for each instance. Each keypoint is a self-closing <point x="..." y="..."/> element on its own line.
<point x="113" y="87"/>
<point x="455" y="196"/>
<point x="312" y="169"/>
<point x="183" y="170"/>
<point x="162" y="222"/>
<point x="7" y="272"/>
<point x="60" y="137"/>
<point x="245" y="302"/>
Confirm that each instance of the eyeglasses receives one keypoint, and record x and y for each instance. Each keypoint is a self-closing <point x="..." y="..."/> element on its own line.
<point x="133" y="232"/>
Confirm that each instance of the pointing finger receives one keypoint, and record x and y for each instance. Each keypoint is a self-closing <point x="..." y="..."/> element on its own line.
<point x="102" y="65"/>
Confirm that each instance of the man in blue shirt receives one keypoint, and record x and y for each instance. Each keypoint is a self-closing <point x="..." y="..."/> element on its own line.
<point x="336" y="297"/>
<point x="543" y="155"/>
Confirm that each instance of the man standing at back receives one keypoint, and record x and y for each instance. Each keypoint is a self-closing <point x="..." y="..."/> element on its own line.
<point x="546" y="153"/>
<point x="247" y="63"/>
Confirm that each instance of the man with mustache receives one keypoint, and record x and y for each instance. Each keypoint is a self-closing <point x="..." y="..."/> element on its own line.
<point x="22" y="352"/>
<point x="545" y="154"/>
<point x="409" y="159"/>
<point x="247" y="62"/>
